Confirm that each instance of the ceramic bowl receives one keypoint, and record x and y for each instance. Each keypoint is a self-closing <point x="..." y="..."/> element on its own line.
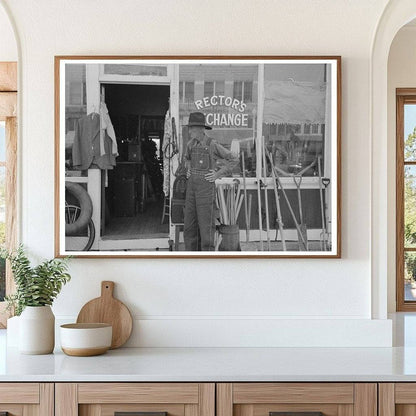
<point x="83" y="340"/>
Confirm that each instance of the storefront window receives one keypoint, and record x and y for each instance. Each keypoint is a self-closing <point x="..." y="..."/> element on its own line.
<point x="294" y="116"/>
<point x="227" y="95"/>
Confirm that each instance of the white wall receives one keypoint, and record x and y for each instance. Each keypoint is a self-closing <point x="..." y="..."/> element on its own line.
<point x="179" y="302"/>
<point x="401" y="74"/>
<point x="8" y="47"/>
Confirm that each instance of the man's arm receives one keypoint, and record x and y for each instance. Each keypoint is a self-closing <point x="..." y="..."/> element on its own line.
<point x="188" y="161"/>
<point x="230" y="160"/>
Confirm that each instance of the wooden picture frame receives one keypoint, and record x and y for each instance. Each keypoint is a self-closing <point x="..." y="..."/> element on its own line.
<point x="124" y="141"/>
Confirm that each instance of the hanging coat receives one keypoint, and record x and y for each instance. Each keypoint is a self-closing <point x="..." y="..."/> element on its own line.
<point x="167" y="138"/>
<point x="107" y="126"/>
<point x="86" y="148"/>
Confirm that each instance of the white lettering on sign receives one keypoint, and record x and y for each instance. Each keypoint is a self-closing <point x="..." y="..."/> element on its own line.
<point x="214" y="100"/>
<point x="224" y="119"/>
<point x="237" y="120"/>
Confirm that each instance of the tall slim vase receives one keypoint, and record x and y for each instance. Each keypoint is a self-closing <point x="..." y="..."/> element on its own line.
<point x="37" y="330"/>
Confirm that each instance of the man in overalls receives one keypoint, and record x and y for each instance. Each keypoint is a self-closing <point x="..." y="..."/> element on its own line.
<point x="200" y="209"/>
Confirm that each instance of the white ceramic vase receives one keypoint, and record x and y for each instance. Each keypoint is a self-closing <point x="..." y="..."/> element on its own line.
<point x="13" y="331"/>
<point x="37" y="330"/>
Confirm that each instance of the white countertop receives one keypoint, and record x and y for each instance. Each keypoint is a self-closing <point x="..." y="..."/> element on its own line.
<point x="222" y="364"/>
<point x="213" y="364"/>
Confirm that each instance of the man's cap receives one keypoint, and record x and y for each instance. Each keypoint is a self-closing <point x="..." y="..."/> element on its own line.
<point x="198" y="119"/>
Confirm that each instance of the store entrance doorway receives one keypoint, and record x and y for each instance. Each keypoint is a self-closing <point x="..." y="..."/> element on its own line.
<point x="133" y="201"/>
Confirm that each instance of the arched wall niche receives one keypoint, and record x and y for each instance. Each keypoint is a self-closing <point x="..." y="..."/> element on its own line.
<point x="401" y="74"/>
<point x="396" y="15"/>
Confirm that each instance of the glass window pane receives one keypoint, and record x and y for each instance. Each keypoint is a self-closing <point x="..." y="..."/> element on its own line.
<point x="2" y="225"/>
<point x="189" y="91"/>
<point x="410" y="132"/>
<point x="219" y="87"/>
<point x="2" y="205"/>
<point x="238" y="90"/>
<point x="2" y="141"/>
<point x="409" y="275"/>
<point x="248" y="92"/>
<point x="75" y="79"/>
<point x="75" y="103"/>
<point x="181" y="92"/>
<point x="295" y="100"/>
<point x="215" y="92"/>
<point x="208" y="88"/>
<point x="410" y="206"/>
<point x="75" y="93"/>
<point x="132" y="69"/>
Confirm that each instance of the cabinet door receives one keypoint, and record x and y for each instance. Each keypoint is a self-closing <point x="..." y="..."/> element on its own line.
<point x="296" y="399"/>
<point x="144" y="399"/>
<point x="397" y="399"/>
<point x="26" y="399"/>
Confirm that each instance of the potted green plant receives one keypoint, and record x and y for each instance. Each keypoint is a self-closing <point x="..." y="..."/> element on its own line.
<point x="36" y="289"/>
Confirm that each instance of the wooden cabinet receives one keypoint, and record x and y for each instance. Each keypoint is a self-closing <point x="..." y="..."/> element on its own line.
<point x="397" y="399"/>
<point x="208" y="399"/>
<point x="27" y="399"/>
<point x="105" y="399"/>
<point x="297" y="399"/>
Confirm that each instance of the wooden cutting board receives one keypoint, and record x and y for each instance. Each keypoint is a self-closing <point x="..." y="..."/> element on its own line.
<point x="107" y="309"/>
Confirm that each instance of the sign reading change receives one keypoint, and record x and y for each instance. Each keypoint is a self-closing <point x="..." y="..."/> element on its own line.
<point x="239" y="119"/>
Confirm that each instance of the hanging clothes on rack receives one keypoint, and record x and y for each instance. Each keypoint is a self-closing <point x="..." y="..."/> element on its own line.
<point x="167" y="139"/>
<point x="107" y="126"/>
<point x="86" y="150"/>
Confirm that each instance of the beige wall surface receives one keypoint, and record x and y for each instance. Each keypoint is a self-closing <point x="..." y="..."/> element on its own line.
<point x="160" y="292"/>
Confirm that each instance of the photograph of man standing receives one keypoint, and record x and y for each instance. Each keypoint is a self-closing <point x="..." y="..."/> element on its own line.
<point x="201" y="155"/>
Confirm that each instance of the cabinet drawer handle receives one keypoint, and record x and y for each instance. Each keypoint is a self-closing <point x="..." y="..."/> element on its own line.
<point x="296" y="414"/>
<point x="139" y="414"/>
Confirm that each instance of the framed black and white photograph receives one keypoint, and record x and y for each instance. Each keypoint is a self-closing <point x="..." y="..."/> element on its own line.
<point x="198" y="156"/>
